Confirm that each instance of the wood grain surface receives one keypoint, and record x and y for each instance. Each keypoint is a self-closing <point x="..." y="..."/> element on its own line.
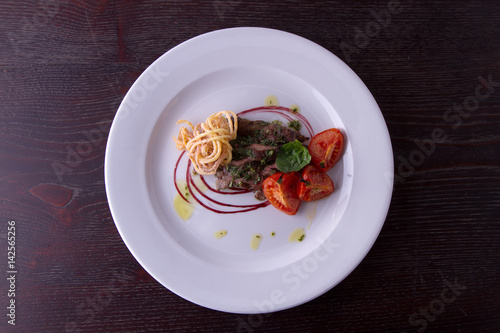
<point x="432" y="66"/>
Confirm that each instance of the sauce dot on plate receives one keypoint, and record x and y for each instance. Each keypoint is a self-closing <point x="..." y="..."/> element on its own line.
<point x="271" y="100"/>
<point x="182" y="208"/>
<point x="220" y="233"/>
<point x="255" y="241"/>
<point x="297" y="235"/>
<point x="295" y="108"/>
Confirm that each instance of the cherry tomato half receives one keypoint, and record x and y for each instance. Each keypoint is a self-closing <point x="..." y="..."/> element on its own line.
<point x="315" y="184"/>
<point x="326" y="148"/>
<point x="281" y="191"/>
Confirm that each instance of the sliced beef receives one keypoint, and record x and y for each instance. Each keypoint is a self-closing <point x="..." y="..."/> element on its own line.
<point x="268" y="133"/>
<point x="254" y="155"/>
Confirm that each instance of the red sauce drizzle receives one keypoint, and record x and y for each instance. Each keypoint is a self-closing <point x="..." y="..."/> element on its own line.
<point x="286" y="113"/>
<point x="175" y="177"/>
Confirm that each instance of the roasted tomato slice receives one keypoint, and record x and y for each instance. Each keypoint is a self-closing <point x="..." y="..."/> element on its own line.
<point x="315" y="184"/>
<point x="326" y="148"/>
<point x="281" y="191"/>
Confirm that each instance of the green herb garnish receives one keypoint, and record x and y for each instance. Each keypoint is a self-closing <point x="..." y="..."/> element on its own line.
<point x="292" y="156"/>
<point x="295" y="124"/>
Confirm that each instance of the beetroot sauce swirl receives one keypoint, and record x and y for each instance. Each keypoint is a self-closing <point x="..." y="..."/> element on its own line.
<point x="222" y="207"/>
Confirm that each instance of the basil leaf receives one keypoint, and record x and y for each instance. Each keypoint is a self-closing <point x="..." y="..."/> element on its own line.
<point x="292" y="156"/>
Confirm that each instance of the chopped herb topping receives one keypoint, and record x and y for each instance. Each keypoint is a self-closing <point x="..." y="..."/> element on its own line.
<point x="295" y="124"/>
<point x="269" y="142"/>
<point x="242" y="153"/>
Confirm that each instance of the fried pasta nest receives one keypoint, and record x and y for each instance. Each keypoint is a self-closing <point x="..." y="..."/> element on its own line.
<point x="207" y="144"/>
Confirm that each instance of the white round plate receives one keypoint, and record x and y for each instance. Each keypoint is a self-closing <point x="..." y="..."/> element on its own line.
<point x="236" y="69"/>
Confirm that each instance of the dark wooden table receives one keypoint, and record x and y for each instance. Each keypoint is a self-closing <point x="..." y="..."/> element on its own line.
<point x="434" y="69"/>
